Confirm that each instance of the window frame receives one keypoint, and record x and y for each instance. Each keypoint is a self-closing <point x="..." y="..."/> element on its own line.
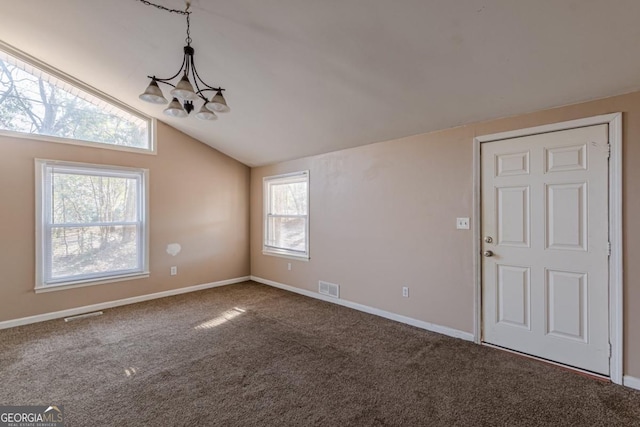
<point x="43" y="240"/>
<point x="266" y="196"/>
<point x="45" y="68"/>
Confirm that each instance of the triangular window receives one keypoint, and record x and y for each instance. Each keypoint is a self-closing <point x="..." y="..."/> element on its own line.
<point x="38" y="100"/>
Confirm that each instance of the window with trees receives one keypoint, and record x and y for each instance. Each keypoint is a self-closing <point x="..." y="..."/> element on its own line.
<point x="41" y="102"/>
<point x="92" y="224"/>
<point x="286" y="215"/>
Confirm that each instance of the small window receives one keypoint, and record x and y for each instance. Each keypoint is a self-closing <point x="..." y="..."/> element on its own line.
<point x="92" y="224"/>
<point x="286" y="215"/>
<point x="39" y="101"/>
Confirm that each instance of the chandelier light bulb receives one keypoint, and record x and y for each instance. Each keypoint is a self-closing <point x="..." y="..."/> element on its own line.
<point x="218" y="104"/>
<point x="205" y="113"/>
<point x="175" y="109"/>
<point x="153" y="94"/>
<point x="184" y="89"/>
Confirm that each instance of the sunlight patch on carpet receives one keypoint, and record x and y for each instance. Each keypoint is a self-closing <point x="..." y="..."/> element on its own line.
<point x="129" y="372"/>
<point x="223" y="318"/>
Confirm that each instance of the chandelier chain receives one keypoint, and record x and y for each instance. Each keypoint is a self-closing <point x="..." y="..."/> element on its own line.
<point x="188" y="39"/>
<point x="161" y="7"/>
<point x="185" y="12"/>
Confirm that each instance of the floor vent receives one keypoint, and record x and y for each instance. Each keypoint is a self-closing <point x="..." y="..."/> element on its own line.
<point x="330" y="289"/>
<point x="83" y="316"/>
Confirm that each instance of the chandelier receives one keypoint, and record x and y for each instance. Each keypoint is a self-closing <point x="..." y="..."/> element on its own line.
<point x="183" y="93"/>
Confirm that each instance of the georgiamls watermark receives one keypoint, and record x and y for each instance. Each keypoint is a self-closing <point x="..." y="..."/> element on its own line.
<point x="32" y="416"/>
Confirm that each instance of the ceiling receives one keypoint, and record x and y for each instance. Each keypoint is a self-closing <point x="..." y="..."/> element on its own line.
<point x="305" y="77"/>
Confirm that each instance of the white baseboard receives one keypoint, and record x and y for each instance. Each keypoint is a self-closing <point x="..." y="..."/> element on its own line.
<point x="371" y="310"/>
<point x="110" y="304"/>
<point x="631" y="382"/>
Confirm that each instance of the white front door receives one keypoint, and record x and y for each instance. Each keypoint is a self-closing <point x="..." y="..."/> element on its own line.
<point x="545" y="246"/>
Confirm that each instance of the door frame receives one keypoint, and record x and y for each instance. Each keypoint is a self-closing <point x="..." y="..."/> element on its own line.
<point x="614" y="121"/>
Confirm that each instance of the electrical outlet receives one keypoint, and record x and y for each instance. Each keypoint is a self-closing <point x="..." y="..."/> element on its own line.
<point x="174" y="270"/>
<point x="462" y="223"/>
<point x="405" y="291"/>
<point x="289" y="266"/>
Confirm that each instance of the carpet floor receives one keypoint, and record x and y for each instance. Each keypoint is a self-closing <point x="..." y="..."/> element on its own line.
<point x="251" y="355"/>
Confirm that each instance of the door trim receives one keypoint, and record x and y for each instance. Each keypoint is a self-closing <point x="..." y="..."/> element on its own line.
<point x="614" y="121"/>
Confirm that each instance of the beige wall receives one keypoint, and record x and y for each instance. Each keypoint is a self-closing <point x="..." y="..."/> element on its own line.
<point x="383" y="216"/>
<point x="198" y="198"/>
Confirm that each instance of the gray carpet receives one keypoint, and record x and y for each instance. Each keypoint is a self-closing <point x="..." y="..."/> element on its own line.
<point x="250" y="355"/>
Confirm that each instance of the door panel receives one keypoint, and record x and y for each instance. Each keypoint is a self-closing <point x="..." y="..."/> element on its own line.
<point x="566" y="305"/>
<point x="512" y="164"/>
<point x="564" y="159"/>
<point x="513" y="296"/>
<point x="566" y="222"/>
<point x="513" y="216"/>
<point x="545" y="207"/>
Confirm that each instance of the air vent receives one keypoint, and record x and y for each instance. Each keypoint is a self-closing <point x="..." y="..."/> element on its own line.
<point x="83" y="316"/>
<point x="330" y="289"/>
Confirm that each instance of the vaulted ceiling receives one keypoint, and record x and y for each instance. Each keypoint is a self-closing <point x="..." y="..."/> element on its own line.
<point x="305" y="77"/>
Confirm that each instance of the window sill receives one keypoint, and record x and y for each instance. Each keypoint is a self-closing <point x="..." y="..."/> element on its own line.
<point x="286" y="255"/>
<point x="90" y="144"/>
<point x="90" y="282"/>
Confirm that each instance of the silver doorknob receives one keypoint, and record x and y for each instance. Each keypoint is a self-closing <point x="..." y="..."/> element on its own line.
<point x="487" y="253"/>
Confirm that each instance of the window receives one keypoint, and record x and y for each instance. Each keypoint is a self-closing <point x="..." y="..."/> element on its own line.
<point x="40" y="102"/>
<point x="286" y="215"/>
<point x="91" y="226"/>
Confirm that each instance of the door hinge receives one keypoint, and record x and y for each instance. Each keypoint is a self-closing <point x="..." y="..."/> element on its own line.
<point x="608" y="151"/>
<point x="610" y="350"/>
<point x="608" y="248"/>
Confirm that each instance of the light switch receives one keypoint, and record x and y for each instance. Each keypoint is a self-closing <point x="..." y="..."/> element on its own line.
<point x="462" y="223"/>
